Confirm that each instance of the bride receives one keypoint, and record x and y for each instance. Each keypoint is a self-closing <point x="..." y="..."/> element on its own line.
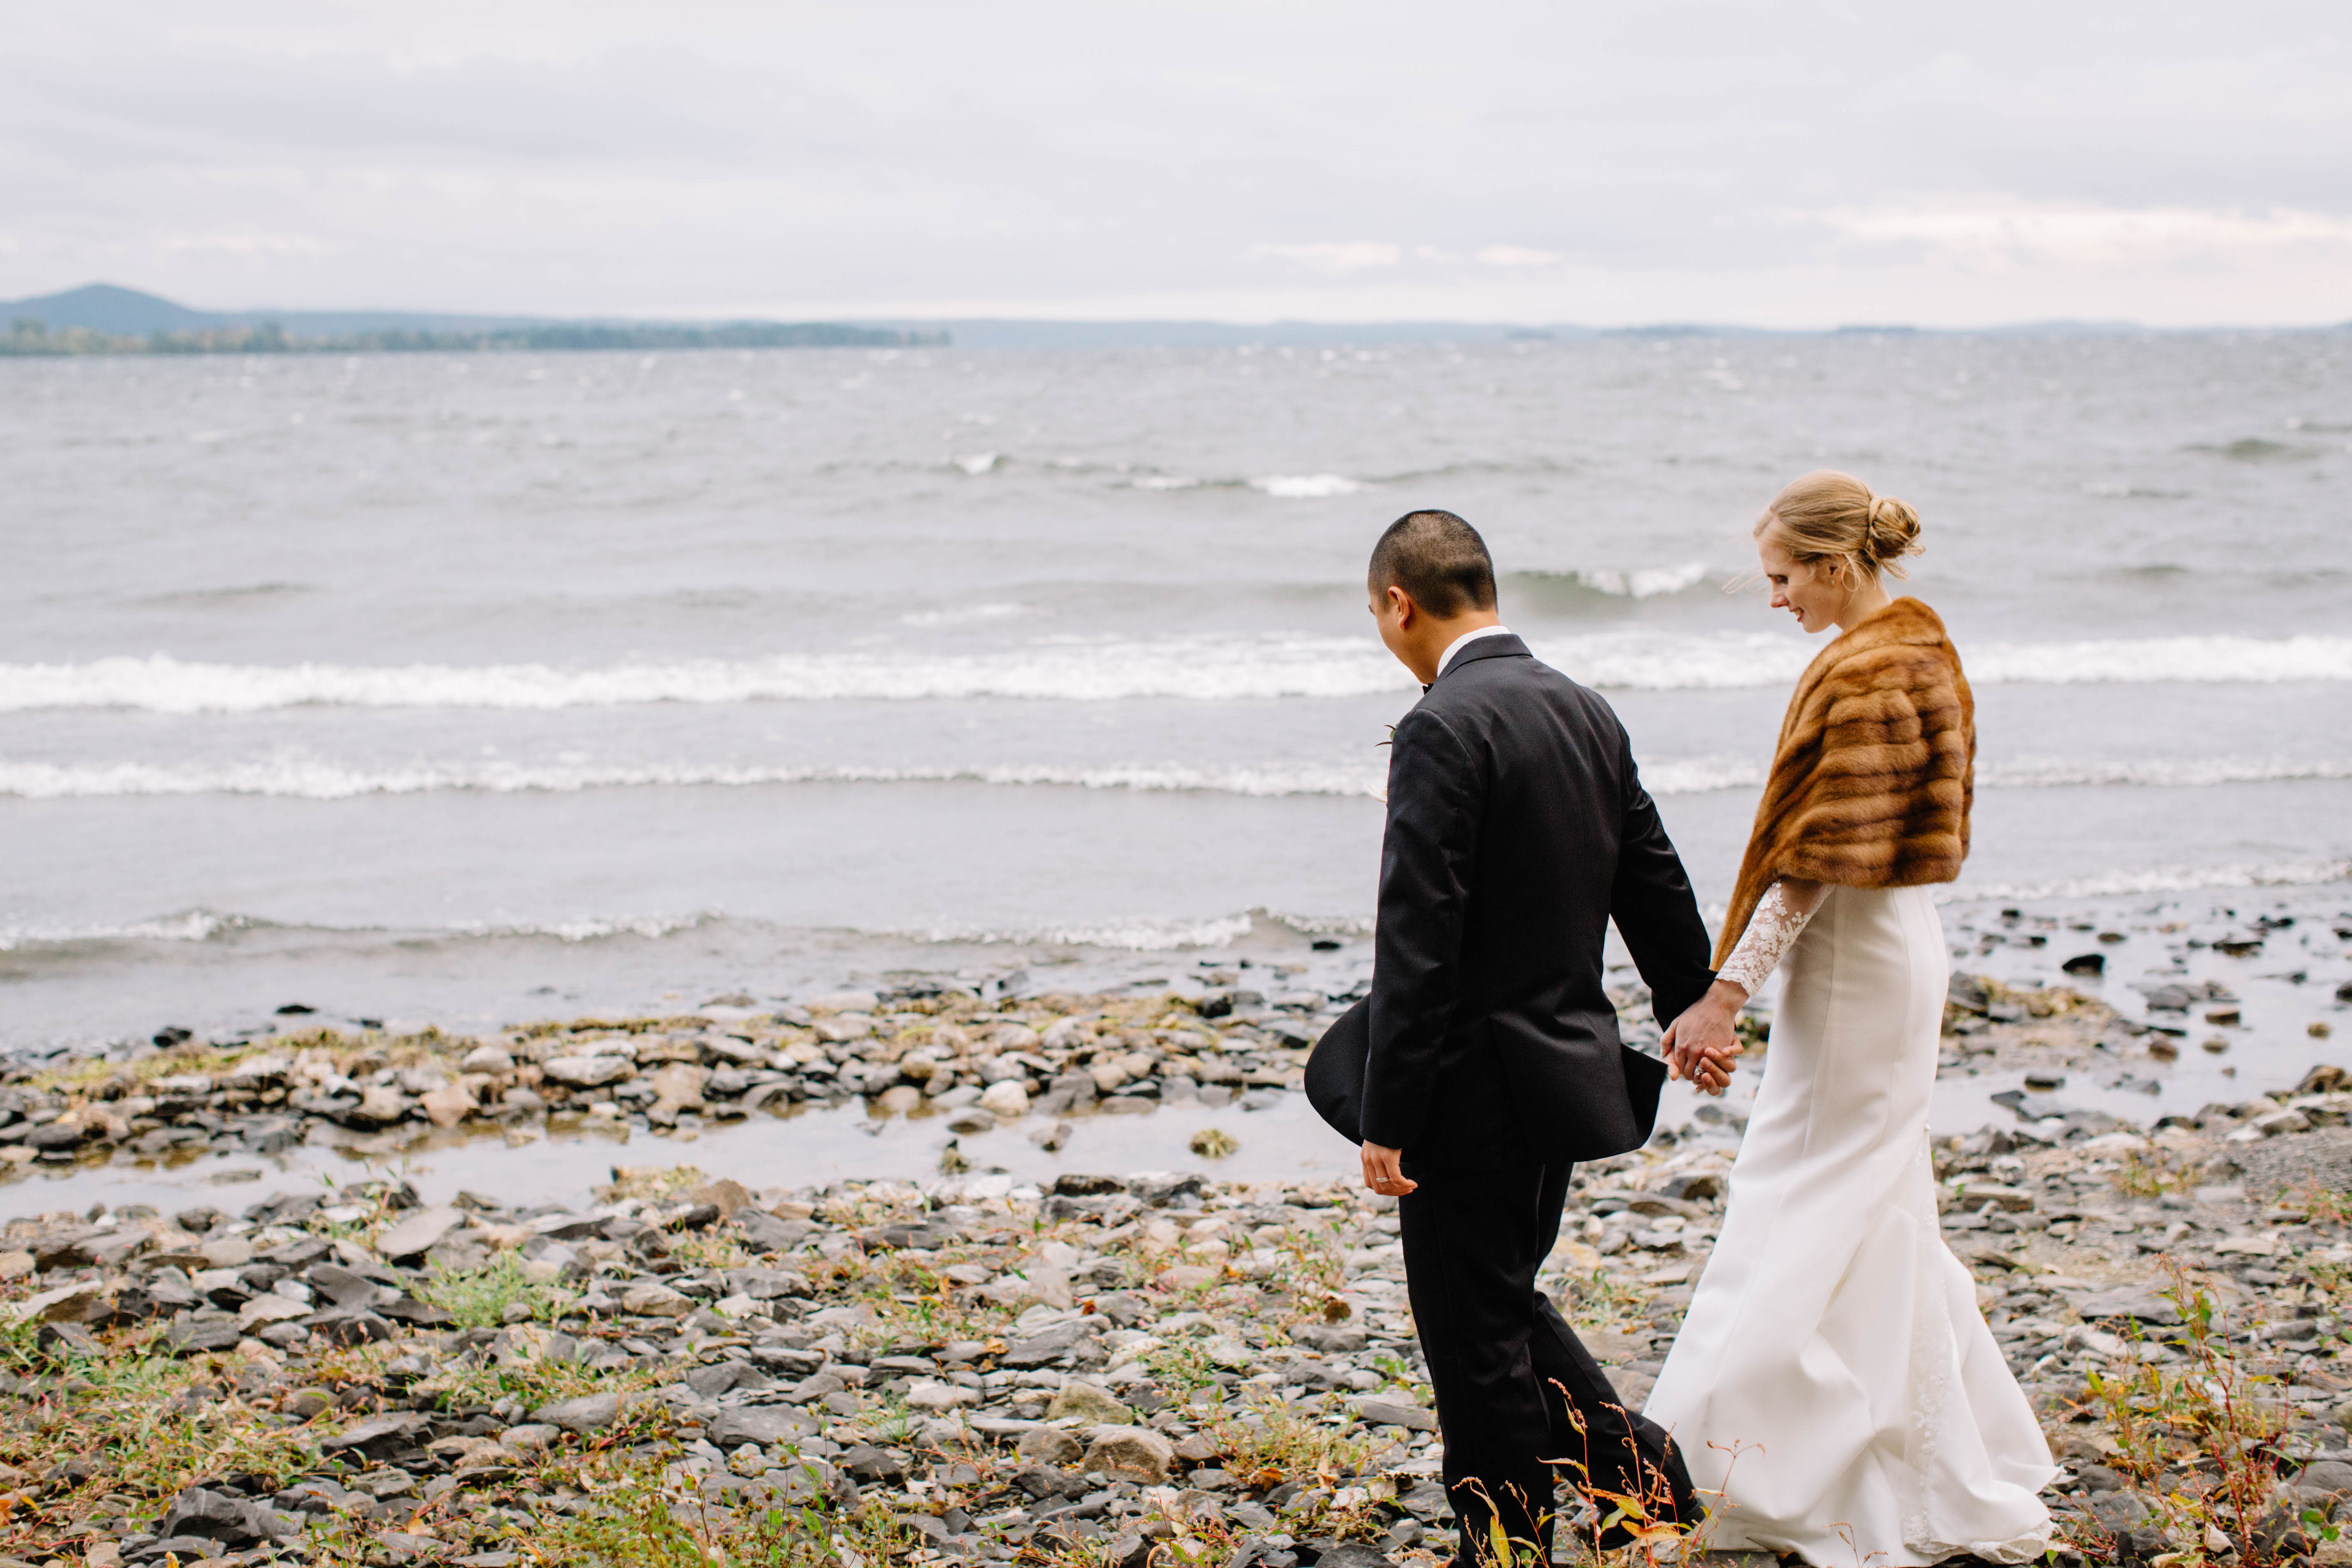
<point x="1834" y="1341"/>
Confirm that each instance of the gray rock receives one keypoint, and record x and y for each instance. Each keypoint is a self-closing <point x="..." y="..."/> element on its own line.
<point x="1425" y="1502"/>
<point x="346" y="1328"/>
<point x="2331" y="1476"/>
<point x="1387" y="1413"/>
<point x="816" y="1385"/>
<point x="2142" y="1305"/>
<point x="219" y="1518"/>
<point x="590" y="1413"/>
<point x="381" y="1438"/>
<point x="868" y="1463"/>
<point x="1041" y="1482"/>
<point x="722" y="1377"/>
<point x="784" y="1358"/>
<point x="340" y="1285"/>
<point x="766" y="1284"/>
<point x="187" y="1337"/>
<point x="1089" y="1405"/>
<point x="2120" y="1511"/>
<point x="765" y="1233"/>
<point x="1049" y="1445"/>
<point x="1351" y="1555"/>
<point x="1135" y="1454"/>
<point x="590" y="1072"/>
<point x="765" y="1425"/>
<point x="1052" y="1344"/>
<point x="419" y="1233"/>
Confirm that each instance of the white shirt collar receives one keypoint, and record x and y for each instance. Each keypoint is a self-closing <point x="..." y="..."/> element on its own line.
<point x="1464" y="640"/>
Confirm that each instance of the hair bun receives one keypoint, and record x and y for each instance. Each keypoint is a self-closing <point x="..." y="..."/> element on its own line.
<point x="1890" y="529"/>
<point x="1831" y="516"/>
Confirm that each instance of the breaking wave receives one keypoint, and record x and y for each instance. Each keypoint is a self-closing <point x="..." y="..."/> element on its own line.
<point x="1075" y="670"/>
<point x="306" y="778"/>
<point x="2158" y="879"/>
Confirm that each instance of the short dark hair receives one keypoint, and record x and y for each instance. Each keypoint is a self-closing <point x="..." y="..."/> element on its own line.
<point x="1439" y="560"/>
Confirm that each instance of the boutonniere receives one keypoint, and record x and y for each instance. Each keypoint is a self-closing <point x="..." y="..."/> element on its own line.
<point x="1381" y="790"/>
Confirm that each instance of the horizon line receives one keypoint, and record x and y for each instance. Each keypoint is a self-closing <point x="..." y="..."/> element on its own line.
<point x="1683" y="326"/>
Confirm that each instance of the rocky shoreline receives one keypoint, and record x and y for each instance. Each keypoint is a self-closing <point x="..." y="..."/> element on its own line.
<point x="1098" y="1370"/>
<point x="925" y="1047"/>
<point x="1090" y="1373"/>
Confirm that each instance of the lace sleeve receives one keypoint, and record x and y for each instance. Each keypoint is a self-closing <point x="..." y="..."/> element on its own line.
<point x="1771" y="932"/>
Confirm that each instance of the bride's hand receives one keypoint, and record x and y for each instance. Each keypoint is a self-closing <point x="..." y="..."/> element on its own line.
<point x="1708" y="1075"/>
<point x="1701" y="1041"/>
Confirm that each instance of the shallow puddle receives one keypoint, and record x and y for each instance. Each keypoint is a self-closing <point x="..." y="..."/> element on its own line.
<point x="817" y="1145"/>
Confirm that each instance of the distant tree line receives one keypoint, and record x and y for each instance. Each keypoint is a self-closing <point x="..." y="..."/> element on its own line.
<point x="28" y="335"/>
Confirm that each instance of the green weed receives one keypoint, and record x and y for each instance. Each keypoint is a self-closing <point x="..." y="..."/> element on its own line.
<point x="478" y="1297"/>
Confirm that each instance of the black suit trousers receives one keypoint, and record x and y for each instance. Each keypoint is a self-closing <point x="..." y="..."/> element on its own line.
<point x="1505" y="1365"/>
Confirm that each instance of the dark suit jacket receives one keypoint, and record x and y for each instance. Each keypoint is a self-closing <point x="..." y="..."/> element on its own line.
<point x="1517" y="829"/>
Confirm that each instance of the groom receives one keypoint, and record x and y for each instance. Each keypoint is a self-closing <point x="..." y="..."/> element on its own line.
<point x="1486" y="1060"/>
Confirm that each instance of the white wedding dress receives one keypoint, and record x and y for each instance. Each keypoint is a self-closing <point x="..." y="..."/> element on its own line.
<point x="1834" y="1340"/>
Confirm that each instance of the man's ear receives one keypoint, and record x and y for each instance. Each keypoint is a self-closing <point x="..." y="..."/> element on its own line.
<point x="1401" y="603"/>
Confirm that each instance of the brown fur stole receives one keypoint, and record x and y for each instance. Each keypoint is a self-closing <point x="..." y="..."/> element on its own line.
<point x="1875" y="770"/>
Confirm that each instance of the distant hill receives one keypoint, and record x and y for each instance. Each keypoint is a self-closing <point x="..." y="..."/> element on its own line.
<point x="105" y="318"/>
<point x="109" y="307"/>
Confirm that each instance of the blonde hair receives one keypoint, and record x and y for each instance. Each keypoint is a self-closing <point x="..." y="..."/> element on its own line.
<point x="1834" y="517"/>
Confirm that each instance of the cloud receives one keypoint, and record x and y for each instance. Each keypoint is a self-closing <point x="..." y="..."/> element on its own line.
<point x="2027" y="234"/>
<point x="1517" y="256"/>
<point x="1802" y="163"/>
<point x="1349" y="255"/>
<point x="246" y="244"/>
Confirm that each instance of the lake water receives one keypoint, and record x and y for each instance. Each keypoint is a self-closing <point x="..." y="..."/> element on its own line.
<point x="476" y="688"/>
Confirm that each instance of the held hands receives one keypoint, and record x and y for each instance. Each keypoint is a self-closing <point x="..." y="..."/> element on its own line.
<point x="1384" y="1173"/>
<point x="1701" y="1045"/>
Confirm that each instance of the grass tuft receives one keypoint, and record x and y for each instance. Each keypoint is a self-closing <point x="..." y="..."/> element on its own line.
<point x="478" y="1297"/>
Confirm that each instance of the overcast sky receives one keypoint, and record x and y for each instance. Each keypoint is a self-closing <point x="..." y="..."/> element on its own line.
<point x="1783" y="163"/>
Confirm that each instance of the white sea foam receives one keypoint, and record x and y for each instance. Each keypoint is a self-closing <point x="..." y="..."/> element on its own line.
<point x="2146" y="660"/>
<point x="1145" y="935"/>
<point x="2157" y="879"/>
<point x="1643" y="582"/>
<point x="1137" y="934"/>
<point x="2047" y="772"/>
<point x="203" y="925"/>
<point x="1163" y="482"/>
<point x="306" y="778"/>
<point x="1069" y="670"/>
<point x="1307" y="487"/>
<point x="1130" y="936"/>
<point x="964" y="615"/>
<point x="979" y="463"/>
<point x="188" y="925"/>
<point x="294" y="775"/>
<point x="1080" y="670"/>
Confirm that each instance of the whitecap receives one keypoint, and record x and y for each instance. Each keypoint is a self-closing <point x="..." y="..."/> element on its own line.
<point x="1307" y="487"/>
<point x="979" y="463"/>
<point x="2158" y="879"/>
<point x="962" y="616"/>
<point x="1643" y="582"/>
<point x="188" y="925"/>
<point x="1206" y="670"/>
<point x="300" y="777"/>
<point x="2204" y="772"/>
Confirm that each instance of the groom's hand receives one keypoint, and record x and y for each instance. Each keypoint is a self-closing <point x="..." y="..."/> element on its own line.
<point x="1384" y="1171"/>
<point x="1702" y="1044"/>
